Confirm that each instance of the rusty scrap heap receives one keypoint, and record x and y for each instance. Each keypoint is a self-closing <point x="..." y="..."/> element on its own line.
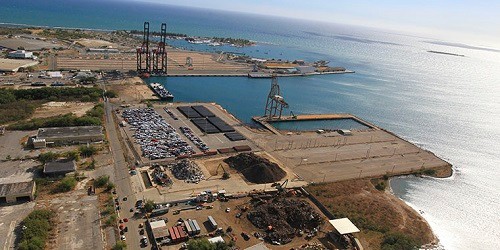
<point x="282" y="219"/>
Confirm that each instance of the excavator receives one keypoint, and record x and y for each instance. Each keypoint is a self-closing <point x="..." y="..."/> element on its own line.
<point x="225" y="175"/>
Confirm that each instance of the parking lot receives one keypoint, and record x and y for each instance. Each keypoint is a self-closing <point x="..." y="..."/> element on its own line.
<point x="166" y="133"/>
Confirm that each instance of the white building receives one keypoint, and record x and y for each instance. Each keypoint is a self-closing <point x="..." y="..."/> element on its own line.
<point x="21" y="54"/>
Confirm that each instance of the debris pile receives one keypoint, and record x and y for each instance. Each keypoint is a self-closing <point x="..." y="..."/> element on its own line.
<point x="255" y="168"/>
<point x="160" y="177"/>
<point x="186" y="170"/>
<point x="283" y="218"/>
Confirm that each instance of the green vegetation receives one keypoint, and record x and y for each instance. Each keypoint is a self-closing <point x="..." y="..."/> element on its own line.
<point x="235" y="41"/>
<point x="65" y="34"/>
<point x="204" y="244"/>
<point x="397" y="241"/>
<point x="101" y="181"/>
<point x="20" y="104"/>
<point x="110" y="94"/>
<point x="11" y="30"/>
<point x="149" y="206"/>
<point x="93" y="117"/>
<point x="67" y="184"/>
<point x="384" y="222"/>
<point x="48" y="157"/>
<point x="36" y="228"/>
<point x="120" y="245"/>
<point x="87" y="151"/>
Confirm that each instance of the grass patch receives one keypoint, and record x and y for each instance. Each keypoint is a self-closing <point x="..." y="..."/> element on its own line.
<point x="20" y="104"/>
<point x="36" y="228"/>
<point x="66" y="184"/>
<point x="384" y="221"/>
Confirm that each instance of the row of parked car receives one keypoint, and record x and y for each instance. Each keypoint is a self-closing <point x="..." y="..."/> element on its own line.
<point x="157" y="138"/>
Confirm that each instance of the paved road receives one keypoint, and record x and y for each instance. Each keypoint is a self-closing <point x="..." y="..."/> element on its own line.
<point x="122" y="181"/>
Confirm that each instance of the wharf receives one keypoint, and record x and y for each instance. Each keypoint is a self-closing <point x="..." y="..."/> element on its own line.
<point x="264" y="121"/>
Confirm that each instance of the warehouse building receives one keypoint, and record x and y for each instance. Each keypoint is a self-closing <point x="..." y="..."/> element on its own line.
<point x="17" y="192"/>
<point x="59" y="167"/>
<point x="20" y="54"/>
<point x="71" y="135"/>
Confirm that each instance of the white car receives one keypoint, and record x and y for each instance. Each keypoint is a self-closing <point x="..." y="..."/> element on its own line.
<point x="123" y="237"/>
<point x="228" y="210"/>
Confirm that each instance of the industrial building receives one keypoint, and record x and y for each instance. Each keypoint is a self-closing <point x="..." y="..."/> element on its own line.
<point x="159" y="231"/>
<point x="71" y="135"/>
<point x="59" y="167"/>
<point x="17" y="192"/>
<point x="21" y="54"/>
<point x="38" y="143"/>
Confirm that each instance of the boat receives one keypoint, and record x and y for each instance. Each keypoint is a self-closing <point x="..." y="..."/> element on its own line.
<point x="163" y="93"/>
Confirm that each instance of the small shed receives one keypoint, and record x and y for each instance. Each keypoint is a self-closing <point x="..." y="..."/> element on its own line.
<point x="216" y="239"/>
<point x="344" y="226"/>
<point x="59" y="167"/>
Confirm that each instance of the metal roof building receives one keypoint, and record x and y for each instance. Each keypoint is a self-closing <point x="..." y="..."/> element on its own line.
<point x="16" y="192"/>
<point x="71" y="135"/>
<point x="344" y="226"/>
<point x="59" y="167"/>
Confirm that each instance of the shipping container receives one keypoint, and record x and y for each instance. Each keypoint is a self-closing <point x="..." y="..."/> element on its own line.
<point x="188" y="228"/>
<point x="191" y="224"/>
<point x="212" y="222"/>
<point x="197" y="226"/>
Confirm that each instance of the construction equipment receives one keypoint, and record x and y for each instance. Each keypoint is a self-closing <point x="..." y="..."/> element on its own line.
<point x="275" y="101"/>
<point x="280" y="187"/>
<point x="225" y="175"/>
<point x="189" y="63"/>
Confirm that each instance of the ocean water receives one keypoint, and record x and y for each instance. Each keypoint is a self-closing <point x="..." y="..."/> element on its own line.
<point x="449" y="105"/>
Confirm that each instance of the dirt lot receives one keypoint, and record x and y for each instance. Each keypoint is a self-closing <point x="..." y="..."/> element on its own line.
<point x="78" y="224"/>
<point x="60" y="108"/>
<point x="374" y="212"/>
<point x="131" y="90"/>
<point x="238" y="225"/>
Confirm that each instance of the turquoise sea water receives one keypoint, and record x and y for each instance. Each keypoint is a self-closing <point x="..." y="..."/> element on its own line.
<point x="449" y="105"/>
<point x="312" y="125"/>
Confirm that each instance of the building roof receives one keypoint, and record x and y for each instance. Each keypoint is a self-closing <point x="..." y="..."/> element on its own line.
<point x="157" y="224"/>
<point x="344" y="226"/>
<point x="17" y="189"/>
<point x="259" y="246"/>
<point x="159" y="228"/>
<point x="216" y="239"/>
<point x="69" y="132"/>
<point x="13" y="65"/>
<point x="59" y="166"/>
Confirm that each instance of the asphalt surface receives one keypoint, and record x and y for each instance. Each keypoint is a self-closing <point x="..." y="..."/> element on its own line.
<point x="122" y="182"/>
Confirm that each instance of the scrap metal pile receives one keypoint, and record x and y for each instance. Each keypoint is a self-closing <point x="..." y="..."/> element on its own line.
<point x="283" y="218"/>
<point x="255" y="168"/>
<point x="156" y="137"/>
<point x="186" y="170"/>
<point x="160" y="177"/>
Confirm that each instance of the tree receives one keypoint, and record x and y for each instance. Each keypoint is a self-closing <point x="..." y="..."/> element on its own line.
<point x="204" y="244"/>
<point x="102" y="181"/>
<point x="48" y="157"/>
<point x="149" y="206"/>
<point x="120" y="245"/>
<point x="397" y="241"/>
<point x="87" y="151"/>
<point x="67" y="184"/>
